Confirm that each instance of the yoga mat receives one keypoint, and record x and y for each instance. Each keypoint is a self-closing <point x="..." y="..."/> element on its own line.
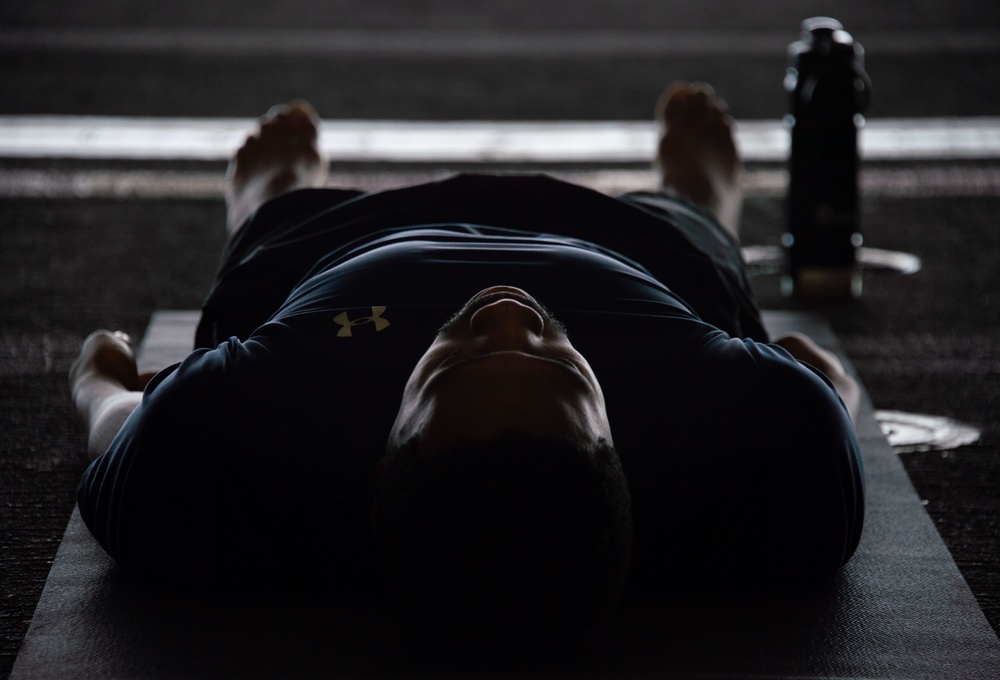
<point x="899" y="609"/>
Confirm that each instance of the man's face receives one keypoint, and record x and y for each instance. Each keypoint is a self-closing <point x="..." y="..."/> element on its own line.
<point x="501" y="363"/>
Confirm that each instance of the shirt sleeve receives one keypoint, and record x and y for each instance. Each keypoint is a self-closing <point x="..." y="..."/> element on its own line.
<point x="797" y="498"/>
<point x="236" y="466"/>
<point x="128" y="488"/>
<point x="757" y="475"/>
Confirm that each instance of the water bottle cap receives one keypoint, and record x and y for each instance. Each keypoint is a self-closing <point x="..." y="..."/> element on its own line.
<point x="821" y="24"/>
<point x="824" y="35"/>
<point x="826" y="50"/>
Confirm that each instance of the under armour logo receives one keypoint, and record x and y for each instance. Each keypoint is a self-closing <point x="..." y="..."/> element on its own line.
<point x="346" y="323"/>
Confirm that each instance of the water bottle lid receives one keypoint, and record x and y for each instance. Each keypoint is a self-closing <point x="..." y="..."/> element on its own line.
<point x="823" y="24"/>
<point x="822" y="37"/>
<point x="824" y="47"/>
<point x="828" y="32"/>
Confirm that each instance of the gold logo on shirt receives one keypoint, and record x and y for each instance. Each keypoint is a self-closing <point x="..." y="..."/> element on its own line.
<point x="346" y="323"/>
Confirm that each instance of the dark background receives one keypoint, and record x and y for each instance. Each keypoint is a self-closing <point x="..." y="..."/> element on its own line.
<point x="925" y="343"/>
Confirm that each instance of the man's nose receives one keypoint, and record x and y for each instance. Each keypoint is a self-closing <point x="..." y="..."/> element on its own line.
<point x="507" y="325"/>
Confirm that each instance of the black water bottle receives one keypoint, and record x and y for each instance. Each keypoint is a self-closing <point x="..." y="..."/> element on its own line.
<point x="829" y="90"/>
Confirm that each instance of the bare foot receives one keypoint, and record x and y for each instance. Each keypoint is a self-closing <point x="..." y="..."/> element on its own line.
<point x="697" y="156"/>
<point x="106" y="354"/>
<point x="281" y="156"/>
<point x="105" y="387"/>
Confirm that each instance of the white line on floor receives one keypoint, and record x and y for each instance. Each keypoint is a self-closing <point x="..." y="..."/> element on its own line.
<point x="465" y="141"/>
<point x="471" y="43"/>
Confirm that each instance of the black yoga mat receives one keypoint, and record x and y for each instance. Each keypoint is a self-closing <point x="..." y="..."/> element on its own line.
<point x="900" y="609"/>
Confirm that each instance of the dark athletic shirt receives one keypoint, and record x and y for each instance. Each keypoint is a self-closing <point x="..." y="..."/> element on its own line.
<point x="259" y="454"/>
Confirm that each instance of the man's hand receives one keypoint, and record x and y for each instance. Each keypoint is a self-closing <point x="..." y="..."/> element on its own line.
<point x="807" y="351"/>
<point x="106" y="386"/>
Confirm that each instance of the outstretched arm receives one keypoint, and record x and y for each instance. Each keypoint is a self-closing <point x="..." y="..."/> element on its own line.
<point x="106" y="387"/>
<point x="807" y="351"/>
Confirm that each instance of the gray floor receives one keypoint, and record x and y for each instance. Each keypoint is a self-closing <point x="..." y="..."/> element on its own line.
<point x="446" y="59"/>
<point x="925" y="343"/>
